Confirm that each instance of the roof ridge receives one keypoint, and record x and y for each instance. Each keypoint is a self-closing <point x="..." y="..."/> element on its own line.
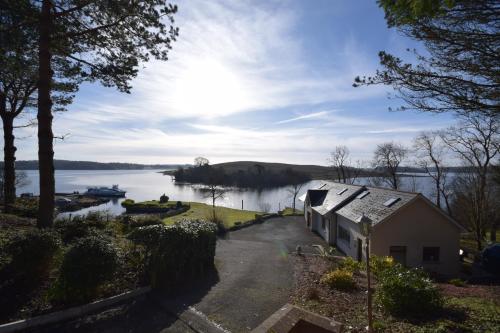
<point x="391" y="189"/>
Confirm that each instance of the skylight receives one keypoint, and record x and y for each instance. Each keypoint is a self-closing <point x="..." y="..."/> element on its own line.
<point x="363" y="194"/>
<point x="342" y="191"/>
<point x="391" y="202"/>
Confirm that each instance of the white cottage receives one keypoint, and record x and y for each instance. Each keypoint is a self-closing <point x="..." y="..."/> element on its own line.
<point x="406" y="226"/>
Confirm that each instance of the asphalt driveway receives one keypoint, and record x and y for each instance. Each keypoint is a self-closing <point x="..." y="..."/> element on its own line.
<point x="255" y="275"/>
<point x="254" y="279"/>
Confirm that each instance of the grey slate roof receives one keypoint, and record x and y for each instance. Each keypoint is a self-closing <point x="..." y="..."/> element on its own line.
<point x="350" y="206"/>
<point x="372" y="205"/>
<point x="333" y="200"/>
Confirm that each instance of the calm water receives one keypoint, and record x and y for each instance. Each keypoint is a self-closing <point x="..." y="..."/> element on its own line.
<point x="150" y="184"/>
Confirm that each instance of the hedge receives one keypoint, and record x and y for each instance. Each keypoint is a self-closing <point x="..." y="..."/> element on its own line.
<point x="177" y="253"/>
<point x="151" y="206"/>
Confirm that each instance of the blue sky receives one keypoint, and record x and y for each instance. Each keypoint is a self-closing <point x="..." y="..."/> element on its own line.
<point x="247" y="80"/>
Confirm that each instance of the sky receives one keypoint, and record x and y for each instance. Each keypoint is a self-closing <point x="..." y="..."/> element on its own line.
<point x="247" y="80"/>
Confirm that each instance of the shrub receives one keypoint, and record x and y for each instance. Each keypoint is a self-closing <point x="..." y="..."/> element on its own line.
<point x="81" y="226"/>
<point x="33" y="253"/>
<point x="127" y="202"/>
<point x="164" y="198"/>
<point x="351" y="265"/>
<point x="87" y="265"/>
<point x="142" y="221"/>
<point x="339" y="279"/>
<point x="458" y="282"/>
<point x="97" y="219"/>
<point x="379" y="265"/>
<point x="178" y="205"/>
<point x="177" y="253"/>
<point x="403" y="292"/>
<point x="217" y="217"/>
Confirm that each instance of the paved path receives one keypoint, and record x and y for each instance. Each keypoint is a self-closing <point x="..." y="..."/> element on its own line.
<point x="254" y="279"/>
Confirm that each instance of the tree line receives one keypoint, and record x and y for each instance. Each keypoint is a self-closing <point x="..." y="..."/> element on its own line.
<point x="49" y="47"/>
<point x="256" y="176"/>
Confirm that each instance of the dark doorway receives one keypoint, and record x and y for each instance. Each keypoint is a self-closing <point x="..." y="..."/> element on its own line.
<point x="360" y="249"/>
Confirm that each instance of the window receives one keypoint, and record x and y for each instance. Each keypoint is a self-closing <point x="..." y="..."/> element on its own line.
<point x="344" y="235"/>
<point x="323" y="224"/>
<point x="430" y="254"/>
<point x="391" y="202"/>
<point x="363" y="194"/>
<point x="342" y="191"/>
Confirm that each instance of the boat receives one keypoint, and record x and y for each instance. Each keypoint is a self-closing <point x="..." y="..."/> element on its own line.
<point x="103" y="191"/>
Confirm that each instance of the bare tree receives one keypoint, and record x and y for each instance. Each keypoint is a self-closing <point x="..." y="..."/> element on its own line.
<point x="476" y="141"/>
<point x="294" y="190"/>
<point x="200" y="161"/>
<point x="214" y="192"/>
<point x="387" y="158"/>
<point x="431" y="153"/>
<point x="345" y="170"/>
<point x="339" y="159"/>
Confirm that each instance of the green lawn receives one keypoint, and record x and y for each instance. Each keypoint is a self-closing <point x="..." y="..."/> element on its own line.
<point x="203" y="211"/>
<point x="288" y="211"/>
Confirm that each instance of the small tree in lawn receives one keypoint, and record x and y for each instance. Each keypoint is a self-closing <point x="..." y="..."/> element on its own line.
<point x="212" y="189"/>
<point x="106" y="41"/>
<point x="296" y="182"/>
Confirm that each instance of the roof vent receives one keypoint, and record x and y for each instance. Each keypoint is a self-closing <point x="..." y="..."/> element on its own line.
<point x="391" y="202"/>
<point x="342" y="191"/>
<point x="363" y="194"/>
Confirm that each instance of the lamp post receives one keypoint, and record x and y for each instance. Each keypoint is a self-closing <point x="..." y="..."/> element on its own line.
<point x="365" y="226"/>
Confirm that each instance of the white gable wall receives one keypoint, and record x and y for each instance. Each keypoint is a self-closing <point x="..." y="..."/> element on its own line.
<point x="349" y="248"/>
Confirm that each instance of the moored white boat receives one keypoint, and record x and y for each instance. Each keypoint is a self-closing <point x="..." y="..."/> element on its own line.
<point x="103" y="191"/>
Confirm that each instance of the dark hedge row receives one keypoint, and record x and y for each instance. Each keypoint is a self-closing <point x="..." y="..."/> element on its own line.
<point x="178" y="253"/>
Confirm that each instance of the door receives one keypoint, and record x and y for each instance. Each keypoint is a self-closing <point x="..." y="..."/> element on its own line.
<point x="398" y="253"/>
<point x="308" y="220"/>
<point x="360" y="249"/>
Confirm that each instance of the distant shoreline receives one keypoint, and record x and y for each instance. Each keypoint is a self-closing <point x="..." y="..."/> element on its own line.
<point x="88" y="165"/>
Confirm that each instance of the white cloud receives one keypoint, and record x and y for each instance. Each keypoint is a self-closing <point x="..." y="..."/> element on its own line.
<point x="313" y="115"/>
<point x="232" y="58"/>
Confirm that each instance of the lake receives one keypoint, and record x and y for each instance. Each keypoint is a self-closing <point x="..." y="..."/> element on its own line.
<point x="151" y="184"/>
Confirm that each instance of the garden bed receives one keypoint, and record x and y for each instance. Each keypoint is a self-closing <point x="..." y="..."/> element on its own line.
<point x="466" y="309"/>
<point x="154" y="207"/>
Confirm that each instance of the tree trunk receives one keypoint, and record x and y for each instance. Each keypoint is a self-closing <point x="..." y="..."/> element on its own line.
<point x="9" y="173"/>
<point x="493" y="231"/>
<point x="45" y="135"/>
<point x="438" y="190"/>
